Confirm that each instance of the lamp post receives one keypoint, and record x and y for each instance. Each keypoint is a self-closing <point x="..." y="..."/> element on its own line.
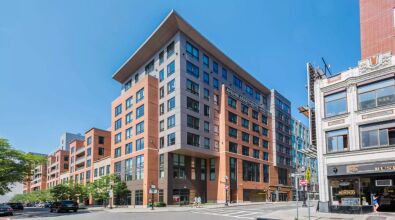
<point x="111" y="193"/>
<point x="152" y="190"/>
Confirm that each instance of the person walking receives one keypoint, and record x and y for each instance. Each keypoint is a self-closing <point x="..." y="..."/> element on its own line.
<point x="199" y="201"/>
<point x="375" y="202"/>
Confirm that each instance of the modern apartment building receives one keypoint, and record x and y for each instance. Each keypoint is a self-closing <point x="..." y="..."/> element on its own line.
<point x="57" y="163"/>
<point x="192" y="122"/>
<point x="37" y="179"/>
<point x="304" y="155"/>
<point x="66" y="138"/>
<point x="377" y="18"/>
<point x="83" y="154"/>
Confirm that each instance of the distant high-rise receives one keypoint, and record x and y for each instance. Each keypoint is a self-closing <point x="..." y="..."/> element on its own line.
<point x="66" y="138"/>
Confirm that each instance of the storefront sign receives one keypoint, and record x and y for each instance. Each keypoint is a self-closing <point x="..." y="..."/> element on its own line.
<point x="363" y="168"/>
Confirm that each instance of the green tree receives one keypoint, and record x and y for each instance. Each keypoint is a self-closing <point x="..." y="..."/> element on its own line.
<point x="60" y="192"/>
<point x="120" y="189"/>
<point x="15" y="165"/>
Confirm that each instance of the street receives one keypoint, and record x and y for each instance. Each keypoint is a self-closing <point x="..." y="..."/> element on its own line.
<point x="265" y="211"/>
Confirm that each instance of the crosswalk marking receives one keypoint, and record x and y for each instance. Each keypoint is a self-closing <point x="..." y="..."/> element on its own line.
<point x="233" y="213"/>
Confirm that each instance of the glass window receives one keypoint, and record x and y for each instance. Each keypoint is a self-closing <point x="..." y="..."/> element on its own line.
<point x="170" y="49"/>
<point x="118" y="124"/>
<point x="376" y="94"/>
<point x="206" y="143"/>
<point x="233" y="147"/>
<point x="118" y="137"/>
<point x="249" y="90"/>
<point x="149" y="67"/>
<point x="192" y="122"/>
<point x="140" y="111"/>
<point x="192" y="105"/>
<point x="118" y="110"/>
<point x="337" y="140"/>
<point x="245" y="151"/>
<point x="224" y="73"/>
<point x="255" y="154"/>
<point x="171" y="86"/>
<point x="192" y="69"/>
<point x="117" y="152"/>
<point x="265" y="156"/>
<point x="179" y="166"/>
<point x="171" y="121"/>
<point x="345" y="192"/>
<point x="171" y="139"/>
<point x="232" y="117"/>
<point x="254" y="114"/>
<point x="215" y="67"/>
<point x="128" y="169"/>
<point x="140" y="128"/>
<point x="206" y="78"/>
<point x="206" y="110"/>
<point x="128" y="133"/>
<point x="140" y="95"/>
<point x="202" y="169"/>
<point x="206" y="94"/>
<point x="128" y="85"/>
<point x="161" y="75"/>
<point x="139" y="144"/>
<point x="161" y="57"/>
<point x="251" y="171"/>
<point x="161" y="125"/>
<point x="245" y="137"/>
<point x="265" y="173"/>
<point x="206" y="126"/>
<point x="206" y="60"/>
<point x="244" y="109"/>
<point x="129" y="148"/>
<point x="170" y="68"/>
<point x="140" y="171"/>
<point x="377" y="135"/>
<point x="162" y="168"/>
<point x="193" y="139"/>
<point x="129" y="102"/>
<point x="192" y="87"/>
<point x="192" y="50"/>
<point x="232" y="102"/>
<point x="335" y="104"/>
<point x="245" y="123"/>
<point x="128" y="118"/>
<point x="171" y="104"/>
<point x="237" y="82"/>
<point x="232" y="132"/>
<point x="212" y="169"/>
<point x="215" y="83"/>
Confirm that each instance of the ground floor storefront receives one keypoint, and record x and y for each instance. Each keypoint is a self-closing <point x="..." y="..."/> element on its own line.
<point x="352" y="187"/>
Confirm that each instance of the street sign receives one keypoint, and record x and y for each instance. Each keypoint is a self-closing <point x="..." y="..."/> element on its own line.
<point x="226" y="187"/>
<point x="153" y="191"/>
<point x="302" y="182"/>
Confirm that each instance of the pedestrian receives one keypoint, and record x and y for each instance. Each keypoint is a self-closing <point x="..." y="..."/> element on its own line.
<point x="375" y="202"/>
<point x="199" y="201"/>
<point x="195" y="202"/>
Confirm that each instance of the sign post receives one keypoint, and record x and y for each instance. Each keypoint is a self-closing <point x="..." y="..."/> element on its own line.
<point x="153" y="191"/>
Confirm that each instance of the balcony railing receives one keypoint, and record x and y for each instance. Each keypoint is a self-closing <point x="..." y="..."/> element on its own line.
<point x="80" y="150"/>
<point x="79" y="160"/>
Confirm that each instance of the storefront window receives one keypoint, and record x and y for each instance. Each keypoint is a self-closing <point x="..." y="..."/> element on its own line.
<point x="345" y="192"/>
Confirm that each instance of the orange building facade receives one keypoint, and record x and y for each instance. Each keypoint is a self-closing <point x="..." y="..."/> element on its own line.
<point x="57" y="163"/>
<point x="192" y="123"/>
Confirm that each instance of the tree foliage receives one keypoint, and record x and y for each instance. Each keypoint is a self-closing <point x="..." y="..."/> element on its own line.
<point x="15" y="165"/>
<point x="32" y="197"/>
<point x="69" y="191"/>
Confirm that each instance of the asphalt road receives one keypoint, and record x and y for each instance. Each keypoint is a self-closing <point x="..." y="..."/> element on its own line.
<point x="228" y="213"/>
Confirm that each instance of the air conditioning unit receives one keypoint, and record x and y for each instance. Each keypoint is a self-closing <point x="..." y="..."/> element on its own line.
<point x="386" y="182"/>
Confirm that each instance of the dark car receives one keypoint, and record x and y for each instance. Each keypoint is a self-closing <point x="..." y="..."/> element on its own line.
<point x="6" y="210"/>
<point x="65" y="205"/>
<point x="15" y="205"/>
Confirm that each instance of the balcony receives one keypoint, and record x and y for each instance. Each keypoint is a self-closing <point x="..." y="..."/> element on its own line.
<point x="79" y="160"/>
<point x="80" y="151"/>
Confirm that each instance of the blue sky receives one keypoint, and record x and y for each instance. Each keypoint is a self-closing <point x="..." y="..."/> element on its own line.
<point x="57" y="57"/>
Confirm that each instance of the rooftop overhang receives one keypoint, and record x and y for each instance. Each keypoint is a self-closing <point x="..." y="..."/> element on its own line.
<point x="172" y="24"/>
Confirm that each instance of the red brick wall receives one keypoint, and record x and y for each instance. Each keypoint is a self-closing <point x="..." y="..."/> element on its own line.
<point x="377" y="27"/>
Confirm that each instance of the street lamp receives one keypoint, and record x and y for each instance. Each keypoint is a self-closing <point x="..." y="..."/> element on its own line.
<point x="152" y="190"/>
<point x="111" y="194"/>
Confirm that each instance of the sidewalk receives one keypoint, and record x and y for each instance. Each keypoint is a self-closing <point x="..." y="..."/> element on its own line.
<point x="303" y="215"/>
<point x="174" y="208"/>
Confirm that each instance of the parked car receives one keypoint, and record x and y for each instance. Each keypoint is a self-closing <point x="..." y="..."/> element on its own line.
<point x="15" y="205"/>
<point x="65" y="205"/>
<point x="6" y="210"/>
